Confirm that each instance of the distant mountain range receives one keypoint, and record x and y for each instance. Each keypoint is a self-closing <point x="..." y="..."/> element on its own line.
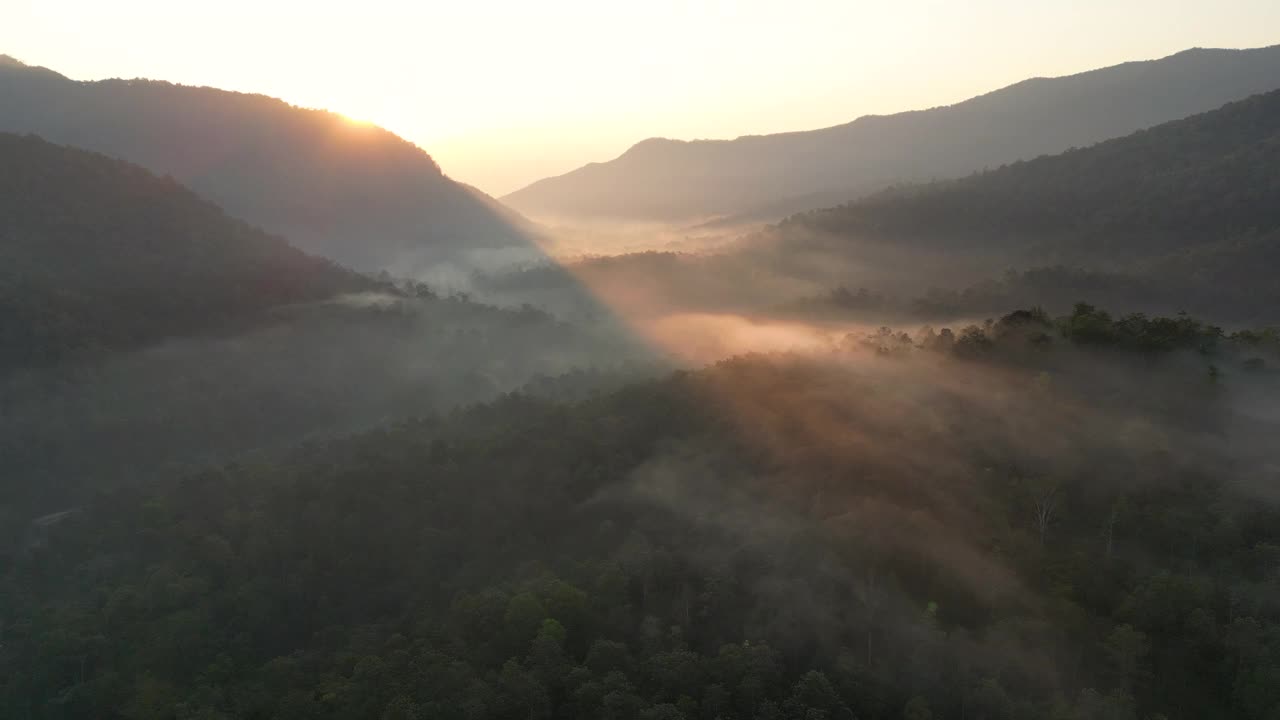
<point x="1184" y="215"/>
<point x="770" y="176"/>
<point x="355" y="193"/>
<point x="100" y="254"/>
<point x="1186" y="183"/>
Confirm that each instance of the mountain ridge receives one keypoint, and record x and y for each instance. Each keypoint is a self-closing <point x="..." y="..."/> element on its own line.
<point x="356" y="193"/>
<point x="1181" y="216"/>
<point x="1088" y="187"/>
<point x="682" y="180"/>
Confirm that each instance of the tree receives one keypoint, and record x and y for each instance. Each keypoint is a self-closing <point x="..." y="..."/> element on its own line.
<point x="917" y="709"/>
<point x="524" y="698"/>
<point x="522" y="620"/>
<point x="1109" y="533"/>
<point x="401" y="708"/>
<point x="547" y="659"/>
<point x="662" y="711"/>
<point x="813" y="696"/>
<point x="870" y="593"/>
<point x="1045" y="497"/>
<point x="1126" y="648"/>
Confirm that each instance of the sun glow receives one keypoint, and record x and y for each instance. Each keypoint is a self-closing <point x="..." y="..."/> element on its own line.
<point x="509" y="92"/>
<point x="355" y="121"/>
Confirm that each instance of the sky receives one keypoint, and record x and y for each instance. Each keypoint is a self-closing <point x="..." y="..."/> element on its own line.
<point x="504" y="92"/>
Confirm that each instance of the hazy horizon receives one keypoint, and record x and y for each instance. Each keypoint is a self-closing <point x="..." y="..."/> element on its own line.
<point x="502" y="119"/>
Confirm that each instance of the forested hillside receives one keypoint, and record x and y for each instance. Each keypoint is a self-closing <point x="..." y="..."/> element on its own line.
<point x="353" y="192"/>
<point x="1036" y="518"/>
<point x="98" y="254"/>
<point x="313" y="371"/>
<point x="766" y="177"/>
<point x="1185" y="215"/>
<point x="144" y="332"/>
<point x="1190" y="183"/>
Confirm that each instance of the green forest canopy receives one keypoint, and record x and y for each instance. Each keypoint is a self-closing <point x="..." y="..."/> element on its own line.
<point x="1035" y="518"/>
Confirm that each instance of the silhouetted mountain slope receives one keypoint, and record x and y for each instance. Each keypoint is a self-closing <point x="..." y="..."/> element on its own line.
<point x="1186" y="184"/>
<point x="353" y="192"/>
<point x="661" y="179"/>
<point x="96" y="252"/>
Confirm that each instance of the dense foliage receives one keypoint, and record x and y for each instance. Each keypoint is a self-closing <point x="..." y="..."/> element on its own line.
<point x="96" y="253"/>
<point x="307" y="372"/>
<point x="143" y="330"/>
<point x="1033" y="518"/>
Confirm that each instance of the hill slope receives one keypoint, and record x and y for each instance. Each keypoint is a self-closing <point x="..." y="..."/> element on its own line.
<point x="96" y="252"/>
<point x="1183" y="185"/>
<point x="142" y="328"/>
<point x="773" y="175"/>
<point x="355" y="193"/>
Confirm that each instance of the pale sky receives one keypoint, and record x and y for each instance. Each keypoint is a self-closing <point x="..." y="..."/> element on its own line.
<point x="503" y="92"/>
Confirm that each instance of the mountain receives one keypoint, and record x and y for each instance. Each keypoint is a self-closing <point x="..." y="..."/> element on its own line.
<point x="353" y="192"/>
<point x="771" y="176"/>
<point x="99" y="253"/>
<point x="142" y="328"/>
<point x="1192" y="185"/>
<point x="1181" y="216"/>
<point x="1185" y="215"/>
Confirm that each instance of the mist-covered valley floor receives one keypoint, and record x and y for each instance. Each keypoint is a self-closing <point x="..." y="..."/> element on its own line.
<point x="315" y="370"/>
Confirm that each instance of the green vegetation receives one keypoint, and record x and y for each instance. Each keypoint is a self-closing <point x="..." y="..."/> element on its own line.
<point x="97" y="254"/>
<point x="1032" y="518"/>
<point x="308" y="372"/>
<point x="1185" y="215"/>
<point x="143" y="331"/>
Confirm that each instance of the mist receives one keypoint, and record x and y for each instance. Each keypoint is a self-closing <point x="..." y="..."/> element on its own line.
<point x="325" y="369"/>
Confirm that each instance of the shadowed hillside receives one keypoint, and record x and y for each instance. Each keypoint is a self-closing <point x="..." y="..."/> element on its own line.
<point x="96" y="253"/>
<point x="1192" y="206"/>
<point x="1186" y="183"/>
<point x="352" y="192"/>
<point x="141" y="328"/>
